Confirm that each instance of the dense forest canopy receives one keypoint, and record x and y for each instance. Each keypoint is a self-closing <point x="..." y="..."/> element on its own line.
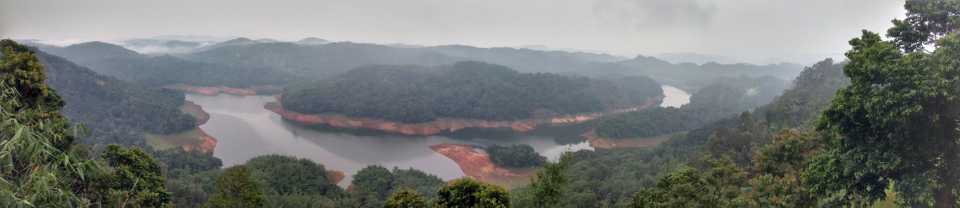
<point x="602" y="177"/>
<point x="471" y="90"/>
<point x="112" y="110"/>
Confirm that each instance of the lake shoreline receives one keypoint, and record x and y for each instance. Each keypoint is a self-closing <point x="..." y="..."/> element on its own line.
<point x="441" y="125"/>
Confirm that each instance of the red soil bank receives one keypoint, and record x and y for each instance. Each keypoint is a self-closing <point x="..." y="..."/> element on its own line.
<point x="607" y="143"/>
<point x="213" y="91"/>
<point x="335" y="176"/>
<point x="439" y="125"/>
<point x="207" y="143"/>
<point x="476" y="164"/>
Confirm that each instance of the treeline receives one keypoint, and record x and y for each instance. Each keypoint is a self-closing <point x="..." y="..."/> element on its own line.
<point x="723" y="98"/>
<point x="471" y="90"/>
<point x="515" y="156"/>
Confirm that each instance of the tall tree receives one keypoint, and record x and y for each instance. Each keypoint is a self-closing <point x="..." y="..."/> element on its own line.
<point x="236" y="188"/>
<point x="406" y="198"/>
<point x="897" y="120"/>
<point x="39" y="164"/>
<point x="135" y="178"/>
<point x="470" y="193"/>
<point x="927" y="21"/>
<point x="548" y="185"/>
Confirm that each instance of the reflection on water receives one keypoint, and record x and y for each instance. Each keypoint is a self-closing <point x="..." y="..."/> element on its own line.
<point x="674" y="97"/>
<point x="245" y="130"/>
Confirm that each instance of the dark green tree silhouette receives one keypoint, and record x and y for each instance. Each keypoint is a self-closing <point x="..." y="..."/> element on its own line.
<point x="462" y="193"/>
<point x="406" y="198"/>
<point x="236" y="188"/>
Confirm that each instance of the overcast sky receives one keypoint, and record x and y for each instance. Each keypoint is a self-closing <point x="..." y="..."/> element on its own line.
<point x="751" y="30"/>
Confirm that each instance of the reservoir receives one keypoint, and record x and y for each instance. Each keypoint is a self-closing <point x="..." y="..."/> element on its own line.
<point x="244" y="130"/>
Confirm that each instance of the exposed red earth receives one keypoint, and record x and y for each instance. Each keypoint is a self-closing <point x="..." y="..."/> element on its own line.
<point x="205" y="144"/>
<point x="216" y="90"/>
<point x="477" y="165"/>
<point x="608" y="143"/>
<point x="440" y="125"/>
<point x="335" y="176"/>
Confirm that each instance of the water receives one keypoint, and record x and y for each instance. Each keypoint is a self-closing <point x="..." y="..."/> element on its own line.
<point x="244" y="130"/>
<point x="675" y="97"/>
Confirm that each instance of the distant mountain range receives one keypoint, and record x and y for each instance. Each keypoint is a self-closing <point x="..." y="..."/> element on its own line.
<point x="242" y="62"/>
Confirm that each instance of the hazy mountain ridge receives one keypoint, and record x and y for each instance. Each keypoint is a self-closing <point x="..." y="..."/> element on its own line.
<point x="113" y="110"/>
<point x="157" y="71"/>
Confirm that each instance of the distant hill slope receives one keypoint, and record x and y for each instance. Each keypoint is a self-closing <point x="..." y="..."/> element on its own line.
<point x="113" y="110"/>
<point x="472" y="90"/>
<point x="244" y="62"/>
<point x="691" y="76"/>
<point x="317" y="61"/>
<point x="155" y="71"/>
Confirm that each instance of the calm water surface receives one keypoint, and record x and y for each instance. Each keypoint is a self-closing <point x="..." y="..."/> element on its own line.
<point x="245" y="130"/>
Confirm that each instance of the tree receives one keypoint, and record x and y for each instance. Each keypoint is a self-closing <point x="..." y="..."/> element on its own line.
<point x="371" y="185"/>
<point x="135" y="178"/>
<point x="467" y="192"/>
<point x="897" y="119"/>
<point x="718" y="186"/>
<point x="406" y="198"/>
<point x="548" y="185"/>
<point x="926" y="22"/>
<point x="515" y="156"/>
<point x="39" y="164"/>
<point x="236" y="187"/>
<point x="36" y="164"/>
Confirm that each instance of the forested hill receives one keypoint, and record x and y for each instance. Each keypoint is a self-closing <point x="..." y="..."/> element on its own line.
<point x="112" y="110"/>
<point x="473" y="90"/>
<point x="689" y="76"/>
<point x="601" y="176"/>
<point x="720" y="99"/>
<point x="156" y="71"/>
<point x="320" y="60"/>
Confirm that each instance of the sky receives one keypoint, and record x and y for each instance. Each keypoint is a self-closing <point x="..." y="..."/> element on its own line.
<point x="749" y="30"/>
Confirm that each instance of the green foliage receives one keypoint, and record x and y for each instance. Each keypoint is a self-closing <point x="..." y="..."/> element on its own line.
<point x="515" y="156"/>
<point x="470" y="193"/>
<point x="134" y="179"/>
<point x="284" y="175"/>
<point x="192" y="190"/>
<point x="114" y="111"/>
<point x="405" y="198"/>
<point x="715" y="101"/>
<point x="549" y="184"/>
<point x="36" y="164"/>
<point x="717" y="186"/>
<point x="237" y="187"/>
<point x="464" y="90"/>
<point x="811" y="94"/>
<point x="897" y="120"/>
<point x="926" y="22"/>
<point x="372" y="185"/>
<point x="40" y="166"/>
<point x="647" y="123"/>
<point x="177" y="161"/>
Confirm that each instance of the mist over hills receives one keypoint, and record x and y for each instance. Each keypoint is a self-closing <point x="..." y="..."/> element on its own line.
<point x="244" y="62"/>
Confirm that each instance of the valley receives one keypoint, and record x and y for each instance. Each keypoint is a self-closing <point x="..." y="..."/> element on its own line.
<point x="244" y="129"/>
